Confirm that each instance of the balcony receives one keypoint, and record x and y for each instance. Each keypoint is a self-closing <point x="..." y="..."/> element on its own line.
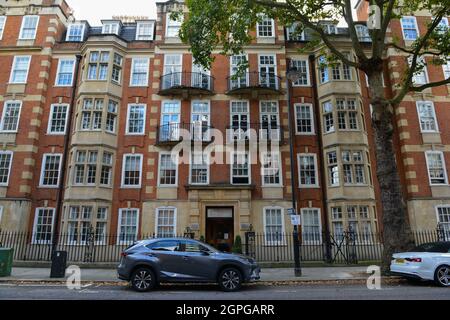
<point x="254" y="84"/>
<point x="186" y="84"/>
<point x="173" y="133"/>
<point x="263" y="132"/>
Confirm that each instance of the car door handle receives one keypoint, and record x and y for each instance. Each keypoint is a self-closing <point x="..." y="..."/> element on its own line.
<point x="185" y="258"/>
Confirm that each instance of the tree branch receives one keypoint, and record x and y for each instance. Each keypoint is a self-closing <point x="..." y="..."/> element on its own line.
<point x="430" y="85"/>
<point x="348" y="15"/>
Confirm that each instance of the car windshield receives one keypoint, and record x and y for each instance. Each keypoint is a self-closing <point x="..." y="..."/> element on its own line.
<point x="439" y="247"/>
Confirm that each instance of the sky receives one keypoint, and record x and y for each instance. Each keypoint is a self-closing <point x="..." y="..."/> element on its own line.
<point x="96" y="10"/>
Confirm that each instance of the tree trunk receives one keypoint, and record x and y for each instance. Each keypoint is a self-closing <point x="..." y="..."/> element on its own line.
<point x="397" y="236"/>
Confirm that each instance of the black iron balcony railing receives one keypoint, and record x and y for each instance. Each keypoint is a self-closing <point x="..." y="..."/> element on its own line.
<point x="262" y="131"/>
<point x="175" y="132"/>
<point x="186" y="83"/>
<point x="254" y="81"/>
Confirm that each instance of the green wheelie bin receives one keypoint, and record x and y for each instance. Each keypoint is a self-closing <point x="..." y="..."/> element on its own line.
<point x="6" y="261"/>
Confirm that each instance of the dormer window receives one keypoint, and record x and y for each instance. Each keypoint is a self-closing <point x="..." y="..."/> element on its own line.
<point x="329" y="28"/>
<point x="111" y="28"/>
<point x="173" y="26"/>
<point x="75" y="32"/>
<point x="363" y="33"/>
<point x="144" y="30"/>
<point x="294" y="33"/>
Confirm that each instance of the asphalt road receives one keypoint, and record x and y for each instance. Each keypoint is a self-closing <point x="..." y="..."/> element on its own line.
<point x="253" y="292"/>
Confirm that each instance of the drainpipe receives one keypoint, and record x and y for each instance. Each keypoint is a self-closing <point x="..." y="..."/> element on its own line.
<point x="62" y="175"/>
<point x="320" y="160"/>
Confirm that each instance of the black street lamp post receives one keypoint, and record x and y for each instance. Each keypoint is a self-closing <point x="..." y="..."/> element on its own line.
<point x="293" y="75"/>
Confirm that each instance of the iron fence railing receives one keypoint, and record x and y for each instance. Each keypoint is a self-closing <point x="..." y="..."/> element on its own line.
<point x="346" y="247"/>
<point x="196" y="80"/>
<point x="267" y="80"/>
<point x="175" y="132"/>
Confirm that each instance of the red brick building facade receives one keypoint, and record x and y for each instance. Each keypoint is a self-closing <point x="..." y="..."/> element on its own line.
<point x="134" y="90"/>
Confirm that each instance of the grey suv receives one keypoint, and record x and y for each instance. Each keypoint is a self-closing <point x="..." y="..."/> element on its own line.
<point x="149" y="262"/>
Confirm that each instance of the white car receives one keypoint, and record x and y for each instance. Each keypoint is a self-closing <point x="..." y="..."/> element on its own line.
<point x="429" y="261"/>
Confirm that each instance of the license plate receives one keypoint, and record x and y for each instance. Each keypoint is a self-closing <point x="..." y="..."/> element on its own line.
<point x="400" y="261"/>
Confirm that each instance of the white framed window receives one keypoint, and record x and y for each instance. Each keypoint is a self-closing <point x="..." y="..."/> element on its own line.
<point x="442" y="27"/>
<point x="443" y="218"/>
<point x="242" y="80"/>
<point x="324" y="76"/>
<point x="127" y="228"/>
<point x="173" y="66"/>
<point x="170" y="120"/>
<point x="333" y="169"/>
<point x="6" y="159"/>
<point x="139" y="72"/>
<point x="270" y="120"/>
<point x="199" y="173"/>
<point x="9" y="122"/>
<point x="437" y="171"/>
<point x="78" y="220"/>
<point x="85" y="167"/>
<point x="446" y="68"/>
<point x="312" y="226"/>
<point x="106" y="172"/>
<point x="420" y="76"/>
<point x="75" y="32"/>
<point x="240" y="168"/>
<point x="200" y="120"/>
<point x="111" y="116"/>
<point x="268" y="71"/>
<point x="98" y="65"/>
<point x="347" y="114"/>
<point x="293" y="32"/>
<point x="240" y="119"/>
<point x="271" y="169"/>
<point x="145" y="30"/>
<point x="2" y="26"/>
<point x="363" y="33"/>
<point x="354" y="171"/>
<point x="43" y="225"/>
<point x="409" y="28"/>
<point x="166" y="222"/>
<point x="329" y="28"/>
<point x="301" y="66"/>
<point x="20" y="69"/>
<point x="50" y="171"/>
<point x="29" y="27"/>
<point x="132" y="170"/>
<point x="168" y="169"/>
<point x="57" y="121"/>
<point x="136" y="119"/>
<point x="266" y="27"/>
<point x="328" y="118"/>
<point x="92" y="114"/>
<point x="427" y="116"/>
<point x="308" y="170"/>
<point x="304" y="118"/>
<point x="100" y="225"/>
<point x="116" y="75"/>
<point x="274" y="226"/>
<point x="173" y="26"/>
<point x="64" y="75"/>
<point x="1" y="214"/>
<point x="200" y="77"/>
<point x="111" y="28"/>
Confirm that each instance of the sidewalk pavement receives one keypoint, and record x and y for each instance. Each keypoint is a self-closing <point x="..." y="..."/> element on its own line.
<point x="268" y="275"/>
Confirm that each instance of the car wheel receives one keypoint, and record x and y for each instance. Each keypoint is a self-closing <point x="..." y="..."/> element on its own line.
<point x="230" y="279"/>
<point x="143" y="279"/>
<point x="442" y="276"/>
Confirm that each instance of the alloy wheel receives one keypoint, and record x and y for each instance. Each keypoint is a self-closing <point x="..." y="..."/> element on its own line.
<point x="230" y="280"/>
<point x="142" y="280"/>
<point x="443" y="276"/>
